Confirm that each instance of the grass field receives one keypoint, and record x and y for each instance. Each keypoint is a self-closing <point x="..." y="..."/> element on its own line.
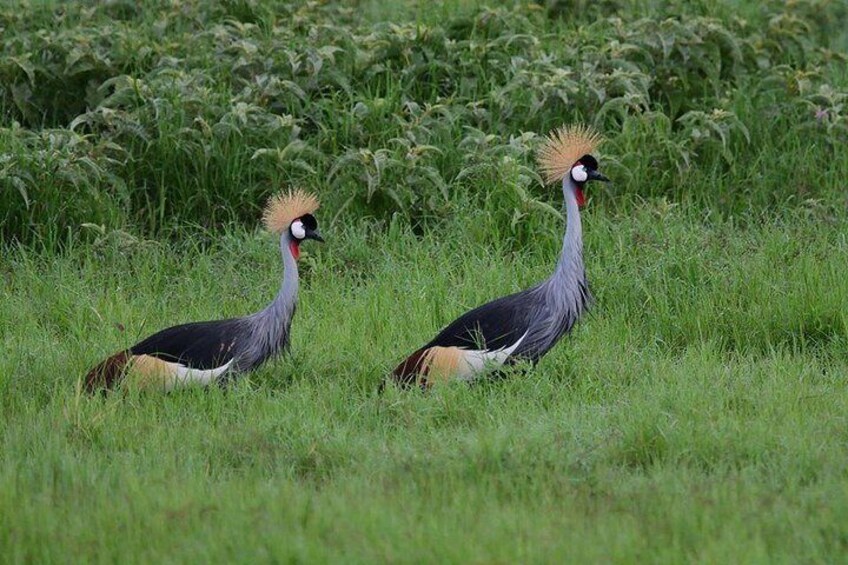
<point x="698" y="413"/>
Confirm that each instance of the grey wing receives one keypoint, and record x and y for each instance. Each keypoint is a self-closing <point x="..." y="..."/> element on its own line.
<point x="555" y="316"/>
<point x="494" y="325"/>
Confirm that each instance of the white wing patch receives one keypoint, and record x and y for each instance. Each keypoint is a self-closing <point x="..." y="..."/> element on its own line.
<point x="475" y="361"/>
<point x="186" y="375"/>
<point x="151" y="372"/>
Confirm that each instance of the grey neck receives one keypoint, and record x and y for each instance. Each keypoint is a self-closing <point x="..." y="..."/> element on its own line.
<point x="288" y="290"/>
<point x="571" y="257"/>
<point x="270" y="327"/>
<point x="565" y="294"/>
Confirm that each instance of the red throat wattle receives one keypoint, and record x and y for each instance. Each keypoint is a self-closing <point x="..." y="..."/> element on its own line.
<point x="581" y="199"/>
<point x="294" y="247"/>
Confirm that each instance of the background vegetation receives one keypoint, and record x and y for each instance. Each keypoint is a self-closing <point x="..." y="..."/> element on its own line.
<point x="698" y="413"/>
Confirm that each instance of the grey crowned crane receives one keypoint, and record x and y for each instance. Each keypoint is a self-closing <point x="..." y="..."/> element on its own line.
<point x="525" y="325"/>
<point x="204" y="352"/>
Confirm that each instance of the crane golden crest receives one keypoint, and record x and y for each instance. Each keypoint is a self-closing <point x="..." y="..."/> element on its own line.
<point x="283" y="208"/>
<point x="563" y="147"/>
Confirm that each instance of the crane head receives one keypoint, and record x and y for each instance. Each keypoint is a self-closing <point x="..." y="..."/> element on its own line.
<point x="290" y="215"/>
<point x="560" y="158"/>
<point x="303" y="228"/>
<point x="584" y="170"/>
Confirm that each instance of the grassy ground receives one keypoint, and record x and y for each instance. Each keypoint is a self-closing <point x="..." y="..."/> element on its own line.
<point x="697" y="413"/>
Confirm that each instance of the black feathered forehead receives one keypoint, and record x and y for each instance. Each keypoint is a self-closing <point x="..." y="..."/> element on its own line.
<point x="309" y="221"/>
<point x="589" y="162"/>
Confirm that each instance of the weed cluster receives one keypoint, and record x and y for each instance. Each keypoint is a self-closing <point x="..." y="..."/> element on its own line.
<point x="147" y="117"/>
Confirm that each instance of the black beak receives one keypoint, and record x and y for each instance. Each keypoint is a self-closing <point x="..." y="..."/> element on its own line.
<point x="313" y="234"/>
<point x="595" y="175"/>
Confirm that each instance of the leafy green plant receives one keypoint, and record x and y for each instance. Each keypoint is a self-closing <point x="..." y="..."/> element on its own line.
<point x="56" y="180"/>
<point x="216" y="105"/>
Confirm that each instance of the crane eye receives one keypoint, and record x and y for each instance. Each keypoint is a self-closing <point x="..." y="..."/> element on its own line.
<point x="579" y="174"/>
<point x="297" y="229"/>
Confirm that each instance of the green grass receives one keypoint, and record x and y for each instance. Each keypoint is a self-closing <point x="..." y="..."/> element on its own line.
<point x="698" y="413"/>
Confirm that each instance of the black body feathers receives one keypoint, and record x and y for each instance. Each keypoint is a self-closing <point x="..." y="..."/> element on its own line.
<point x="494" y="325"/>
<point x="199" y="345"/>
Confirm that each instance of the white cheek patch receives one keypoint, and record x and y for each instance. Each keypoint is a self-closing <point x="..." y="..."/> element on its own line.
<point x="579" y="173"/>
<point x="297" y="229"/>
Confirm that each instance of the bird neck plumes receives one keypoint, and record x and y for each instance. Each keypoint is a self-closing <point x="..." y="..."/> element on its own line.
<point x="572" y="243"/>
<point x="270" y="327"/>
<point x="290" y="249"/>
<point x="569" y="271"/>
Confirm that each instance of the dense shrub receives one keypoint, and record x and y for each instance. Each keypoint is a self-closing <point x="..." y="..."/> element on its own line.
<point x="194" y="112"/>
<point x="55" y="180"/>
